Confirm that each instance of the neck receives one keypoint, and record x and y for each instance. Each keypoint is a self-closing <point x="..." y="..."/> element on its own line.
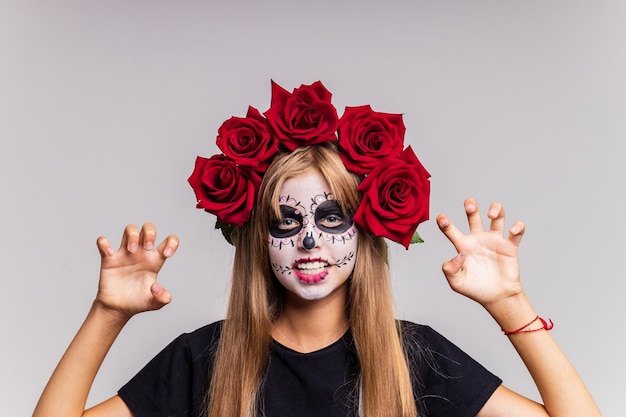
<point x="306" y="326"/>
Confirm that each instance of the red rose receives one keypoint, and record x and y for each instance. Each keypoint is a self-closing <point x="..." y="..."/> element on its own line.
<point x="224" y="189"/>
<point x="304" y="117"/>
<point x="248" y="141"/>
<point x="395" y="198"/>
<point x="366" y="137"/>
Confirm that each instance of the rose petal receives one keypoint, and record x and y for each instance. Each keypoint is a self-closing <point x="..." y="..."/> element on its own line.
<point x="304" y="117"/>
<point x="395" y="198"/>
<point x="224" y="188"/>
<point x="366" y="137"/>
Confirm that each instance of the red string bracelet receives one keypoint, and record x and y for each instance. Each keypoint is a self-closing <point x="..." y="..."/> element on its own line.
<point x="544" y="325"/>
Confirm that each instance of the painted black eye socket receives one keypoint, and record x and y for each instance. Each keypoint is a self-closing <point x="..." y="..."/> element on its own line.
<point x="331" y="221"/>
<point x="288" y="225"/>
<point x="330" y="218"/>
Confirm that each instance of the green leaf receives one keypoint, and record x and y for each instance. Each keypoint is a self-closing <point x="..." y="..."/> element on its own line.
<point x="416" y="238"/>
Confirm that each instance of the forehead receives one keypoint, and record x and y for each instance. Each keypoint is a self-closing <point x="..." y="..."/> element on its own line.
<point x="305" y="186"/>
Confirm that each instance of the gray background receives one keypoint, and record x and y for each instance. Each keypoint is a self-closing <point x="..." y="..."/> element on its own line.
<point x="105" y="105"/>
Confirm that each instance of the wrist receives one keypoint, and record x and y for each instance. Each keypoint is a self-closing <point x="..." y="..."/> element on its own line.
<point x="513" y="312"/>
<point x="536" y="324"/>
<point x="110" y="317"/>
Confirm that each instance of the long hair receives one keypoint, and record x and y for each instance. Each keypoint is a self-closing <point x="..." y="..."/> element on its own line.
<point x="256" y="299"/>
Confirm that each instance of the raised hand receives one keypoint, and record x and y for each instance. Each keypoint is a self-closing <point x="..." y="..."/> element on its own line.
<point x="128" y="276"/>
<point x="127" y="286"/>
<point x="486" y="267"/>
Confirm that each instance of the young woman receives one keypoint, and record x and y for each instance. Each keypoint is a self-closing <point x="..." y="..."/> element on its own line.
<point x="310" y="328"/>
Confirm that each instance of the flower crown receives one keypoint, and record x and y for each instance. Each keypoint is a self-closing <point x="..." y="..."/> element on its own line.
<point x="395" y="190"/>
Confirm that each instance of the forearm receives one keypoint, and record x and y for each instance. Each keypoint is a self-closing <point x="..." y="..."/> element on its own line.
<point x="67" y="390"/>
<point x="562" y="390"/>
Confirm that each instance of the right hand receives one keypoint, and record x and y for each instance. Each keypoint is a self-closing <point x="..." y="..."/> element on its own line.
<point x="128" y="277"/>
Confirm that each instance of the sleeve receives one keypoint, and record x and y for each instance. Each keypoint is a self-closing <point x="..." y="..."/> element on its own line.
<point x="175" y="382"/>
<point x="447" y="381"/>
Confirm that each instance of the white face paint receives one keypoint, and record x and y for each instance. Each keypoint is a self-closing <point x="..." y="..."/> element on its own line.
<point x="312" y="249"/>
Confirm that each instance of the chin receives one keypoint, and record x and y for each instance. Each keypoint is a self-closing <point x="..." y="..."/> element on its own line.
<point x="312" y="291"/>
<point x="309" y="292"/>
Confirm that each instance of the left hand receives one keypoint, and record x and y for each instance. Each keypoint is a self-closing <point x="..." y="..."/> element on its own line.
<point x="486" y="268"/>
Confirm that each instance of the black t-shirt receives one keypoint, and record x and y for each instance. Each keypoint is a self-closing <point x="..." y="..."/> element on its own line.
<point x="446" y="381"/>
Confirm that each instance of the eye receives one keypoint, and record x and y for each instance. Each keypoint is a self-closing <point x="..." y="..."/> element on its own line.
<point x="331" y="221"/>
<point x="330" y="218"/>
<point x="287" y="224"/>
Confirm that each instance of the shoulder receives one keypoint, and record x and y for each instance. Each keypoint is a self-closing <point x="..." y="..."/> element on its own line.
<point x="421" y="334"/>
<point x="207" y="334"/>
<point x="177" y="377"/>
<point x="448" y="381"/>
<point x="198" y="345"/>
<point x="434" y="354"/>
<point x="202" y="341"/>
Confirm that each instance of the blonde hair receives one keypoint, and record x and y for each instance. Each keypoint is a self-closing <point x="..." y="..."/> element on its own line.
<point x="256" y="300"/>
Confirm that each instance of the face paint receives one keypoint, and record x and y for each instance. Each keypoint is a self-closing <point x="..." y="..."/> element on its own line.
<point x="289" y="225"/>
<point x="331" y="223"/>
<point x="308" y="242"/>
<point x="313" y="246"/>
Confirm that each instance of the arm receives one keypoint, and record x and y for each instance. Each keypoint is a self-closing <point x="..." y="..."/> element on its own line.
<point x="127" y="286"/>
<point x="486" y="270"/>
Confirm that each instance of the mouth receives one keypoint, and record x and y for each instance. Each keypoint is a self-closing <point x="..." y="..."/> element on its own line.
<point x="311" y="271"/>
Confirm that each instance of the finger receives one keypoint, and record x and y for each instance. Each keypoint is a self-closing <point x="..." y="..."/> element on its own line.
<point x="147" y="236"/>
<point x="104" y="246"/>
<point x="516" y="232"/>
<point x="130" y="239"/>
<point x="473" y="216"/>
<point x="168" y="247"/>
<point x="449" y="230"/>
<point x="452" y="269"/>
<point x="160" y="295"/>
<point x="496" y="214"/>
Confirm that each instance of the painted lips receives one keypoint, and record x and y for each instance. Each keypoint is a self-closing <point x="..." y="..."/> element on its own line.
<point x="310" y="270"/>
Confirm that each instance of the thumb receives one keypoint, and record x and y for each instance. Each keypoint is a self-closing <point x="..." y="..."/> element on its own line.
<point x="160" y="295"/>
<point x="452" y="268"/>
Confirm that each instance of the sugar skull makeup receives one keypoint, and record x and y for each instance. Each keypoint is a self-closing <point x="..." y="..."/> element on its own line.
<point x="324" y="210"/>
<point x="313" y="245"/>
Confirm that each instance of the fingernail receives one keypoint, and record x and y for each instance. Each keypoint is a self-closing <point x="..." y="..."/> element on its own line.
<point x="493" y="213"/>
<point x="148" y="245"/>
<point x="168" y="252"/>
<point x="458" y="259"/>
<point x="110" y="251"/>
<point x="132" y="247"/>
<point x="470" y="207"/>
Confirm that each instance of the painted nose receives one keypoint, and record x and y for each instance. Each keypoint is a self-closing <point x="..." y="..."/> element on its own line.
<point x="308" y="242"/>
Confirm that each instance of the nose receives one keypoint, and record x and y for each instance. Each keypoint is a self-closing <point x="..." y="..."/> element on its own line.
<point x="308" y="242"/>
<point x="310" y="239"/>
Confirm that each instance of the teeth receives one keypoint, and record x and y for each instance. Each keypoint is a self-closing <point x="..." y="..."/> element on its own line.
<point x="308" y="266"/>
